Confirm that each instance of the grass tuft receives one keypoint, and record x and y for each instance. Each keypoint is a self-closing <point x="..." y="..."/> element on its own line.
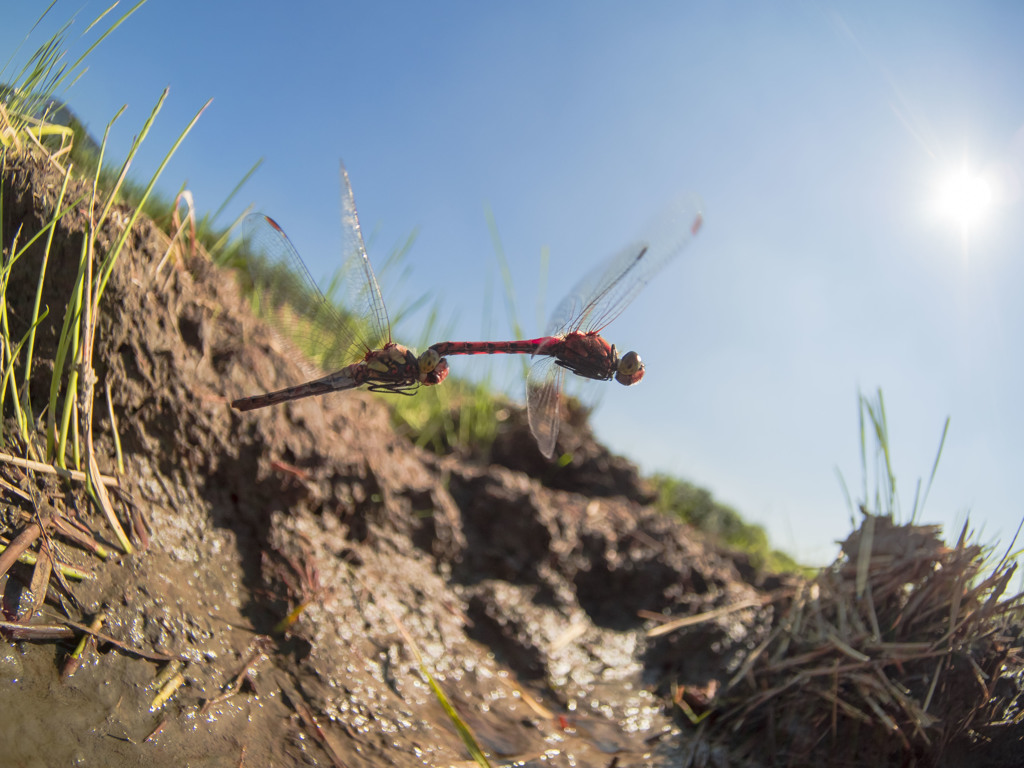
<point x="27" y="111"/>
<point x="895" y="650"/>
<point x="879" y="490"/>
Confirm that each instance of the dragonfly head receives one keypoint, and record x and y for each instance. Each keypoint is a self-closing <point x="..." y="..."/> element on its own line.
<point x="429" y="360"/>
<point x="630" y="369"/>
<point x="436" y="376"/>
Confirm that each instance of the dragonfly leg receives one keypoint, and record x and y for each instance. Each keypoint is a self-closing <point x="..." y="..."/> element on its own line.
<point x="395" y="388"/>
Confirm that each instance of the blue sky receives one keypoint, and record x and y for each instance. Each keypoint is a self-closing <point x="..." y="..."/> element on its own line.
<point x="817" y="134"/>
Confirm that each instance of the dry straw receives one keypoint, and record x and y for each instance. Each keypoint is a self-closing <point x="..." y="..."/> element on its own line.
<point x="895" y="649"/>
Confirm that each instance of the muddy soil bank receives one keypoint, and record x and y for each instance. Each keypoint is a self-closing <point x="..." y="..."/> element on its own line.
<point x="526" y="590"/>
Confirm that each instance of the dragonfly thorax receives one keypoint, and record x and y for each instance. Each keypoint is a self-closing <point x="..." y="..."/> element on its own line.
<point x="391" y="359"/>
<point x="630" y="369"/>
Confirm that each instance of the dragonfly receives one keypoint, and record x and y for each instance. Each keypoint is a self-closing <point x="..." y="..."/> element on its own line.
<point x="361" y="332"/>
<point x="573" y="341"/>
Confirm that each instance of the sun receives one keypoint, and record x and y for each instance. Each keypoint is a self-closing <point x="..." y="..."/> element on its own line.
<point x="964" y="198"/>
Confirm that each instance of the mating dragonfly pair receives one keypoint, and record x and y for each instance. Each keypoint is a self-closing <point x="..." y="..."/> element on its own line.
<point x="572" y="341"/>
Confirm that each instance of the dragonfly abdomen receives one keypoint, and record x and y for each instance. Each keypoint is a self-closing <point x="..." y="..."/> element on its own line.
<point x="519" y="347"/>
<point x="347" y="378"/>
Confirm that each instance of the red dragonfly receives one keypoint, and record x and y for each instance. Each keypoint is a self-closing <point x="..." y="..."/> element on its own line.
<point x="572" y="341"/>
<point x="361" y="332"/>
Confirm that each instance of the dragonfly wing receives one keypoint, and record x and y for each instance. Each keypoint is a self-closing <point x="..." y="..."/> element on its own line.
<point x="575" y="310"/>
<point x="602" y="294"/>
<point x="288" y="297"/>
<point x="362" y="294"/>
<point x="543" y="385"/>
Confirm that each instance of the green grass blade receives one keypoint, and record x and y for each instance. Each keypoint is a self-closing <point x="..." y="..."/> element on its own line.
<point x="81" y="59"/>
<point x="224" y="250"/>
<point x="69" y="344"/>
<point x="882" y="428"/>
<point x="30" y="94"/>
<point x="935" y="467"/>
<point x="861" y="404"/>
<point x="17" y="48"/>
<point x="67" y="349"/>
<point x="16" y="253"/>
<point x="849" y="499"/>
<point x="39" y="285"/>
<point x="132" y="151"/>
<point x="468" y="739"/>
<point x="204" y="224"/>
<point x="460" y="725"/>
<point x="108" y="264"/>
<point x="508" y="283"/>
<point x="506" y="274"/>
<point x="99" y="18"/>
<point x="23" y="416"/>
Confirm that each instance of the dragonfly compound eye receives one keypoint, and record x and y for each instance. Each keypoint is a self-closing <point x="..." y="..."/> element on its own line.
<point x="428" y="361"/>
<point x="436" y="376"/>
<point x="630" y="369"/>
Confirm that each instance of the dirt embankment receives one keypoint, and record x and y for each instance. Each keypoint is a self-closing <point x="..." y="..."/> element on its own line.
<point x="526" y="589"/>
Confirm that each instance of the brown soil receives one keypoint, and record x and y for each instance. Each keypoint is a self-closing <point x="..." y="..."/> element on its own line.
<point x="514" y="582"/>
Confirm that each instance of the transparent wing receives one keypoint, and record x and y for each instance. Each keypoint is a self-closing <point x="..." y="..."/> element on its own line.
<point x="575" y="310"/>
<point x="543" y="385"/>
<point x="359" y="285"/>
<point x="608" y="289"/>
<point x="290" y="300"/>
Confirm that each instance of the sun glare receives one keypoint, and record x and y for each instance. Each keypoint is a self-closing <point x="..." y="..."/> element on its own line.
<point x="964" y="198"/>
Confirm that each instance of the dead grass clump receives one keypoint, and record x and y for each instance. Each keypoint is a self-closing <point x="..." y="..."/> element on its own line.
<point x="893" y="652"/>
